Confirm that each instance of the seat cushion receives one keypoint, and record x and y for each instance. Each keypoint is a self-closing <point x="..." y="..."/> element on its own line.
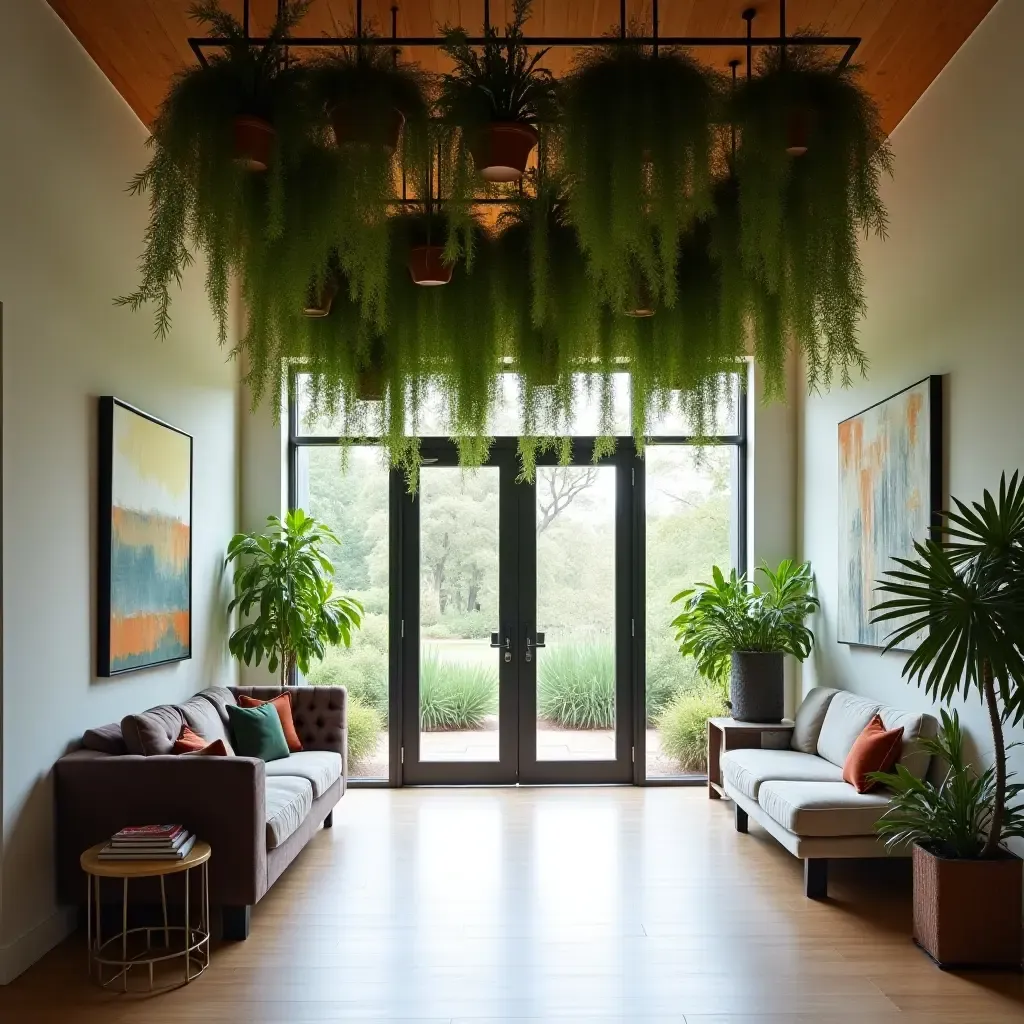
<point x="846" y="718"/>
<point x="809" y="716"/>
<point x="320" y="768"/>
<point x="289" y="800"/>
<point x="746" y="770"/>
<point x="822" y="808"/>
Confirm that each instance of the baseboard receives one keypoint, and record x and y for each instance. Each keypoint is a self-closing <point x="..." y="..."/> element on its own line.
<point x="18" y="956"/>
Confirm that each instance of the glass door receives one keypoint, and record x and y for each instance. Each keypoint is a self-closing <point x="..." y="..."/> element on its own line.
<point x="516" y="628"/>
<point x="575" y="585"/>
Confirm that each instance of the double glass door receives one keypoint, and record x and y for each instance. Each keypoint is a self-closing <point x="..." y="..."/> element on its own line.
<point x="517" y="651"/>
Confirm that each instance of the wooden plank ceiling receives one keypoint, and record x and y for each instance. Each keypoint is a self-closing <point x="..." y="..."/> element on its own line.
<point x="140" y="44"/>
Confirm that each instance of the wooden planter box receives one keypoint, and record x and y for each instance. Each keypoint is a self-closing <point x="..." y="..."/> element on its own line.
<point x="967" y="913"/>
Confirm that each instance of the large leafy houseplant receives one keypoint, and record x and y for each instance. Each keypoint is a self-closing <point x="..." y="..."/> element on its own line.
<point x="733" y="624"/>
<point x="285" y="594"/>
<point x="810" y="161"/>
<point x="636" y="144"/>
<point x="961" y="598"/>
<point x="222" y="142"/>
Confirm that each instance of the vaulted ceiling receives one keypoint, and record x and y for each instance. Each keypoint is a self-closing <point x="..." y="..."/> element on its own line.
<point x="140" y="44"/>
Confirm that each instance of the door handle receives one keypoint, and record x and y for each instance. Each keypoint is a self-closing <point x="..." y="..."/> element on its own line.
<point x="532" y="644"/>
<point x="496" y="641"/>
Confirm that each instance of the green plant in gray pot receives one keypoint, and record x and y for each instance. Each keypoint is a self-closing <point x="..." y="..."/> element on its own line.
<point x="733" y="627"/>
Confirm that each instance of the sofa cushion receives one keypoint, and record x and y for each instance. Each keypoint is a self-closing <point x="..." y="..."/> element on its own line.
<point x="154" y="731"/>
<point x="916" y="726"/>
<point x="107" y="739"/>
<point x="746" y="770"/>
<point x="220" y="697"/>
<point x="876" y="749"/>
<point x="283" y="706"/>
<point x="321" y="768"/>
<point x="809" y="716"/>
<point x="288" y="801"/>
<point x="203" y="718"/>
<point x="822" y="808"/>
<point x="845" y="719"/>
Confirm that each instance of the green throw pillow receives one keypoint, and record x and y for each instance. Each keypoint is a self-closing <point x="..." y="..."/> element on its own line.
<point x="257" y="732"/>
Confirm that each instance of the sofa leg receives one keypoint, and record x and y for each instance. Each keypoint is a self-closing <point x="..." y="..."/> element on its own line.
<point x="816" y="878"/>
<point x="741" y="819"/>
<point x="235" y="921"/>
<point x="329" y="820"/>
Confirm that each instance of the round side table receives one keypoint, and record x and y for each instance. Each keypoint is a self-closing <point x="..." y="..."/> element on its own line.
<point x="195" y="949"/>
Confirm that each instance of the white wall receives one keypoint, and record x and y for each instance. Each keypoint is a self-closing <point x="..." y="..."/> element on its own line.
<point x="69" y="241"/>
<point x="945" y="296"/>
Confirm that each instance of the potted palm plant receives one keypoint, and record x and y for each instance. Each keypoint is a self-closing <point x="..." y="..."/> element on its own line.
<point x="285" y="577"/>
<point x="965" y="590"/>
<point x="731" y="625"/>
<point x="497" y="97"/>
<point x="220" y="142"/>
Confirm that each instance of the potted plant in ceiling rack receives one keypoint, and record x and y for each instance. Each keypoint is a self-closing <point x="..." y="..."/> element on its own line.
<point x="220" y="142"/>
<point x="497" y="97"/>
<point x="961" y="600"/>
<point x="800" y="215"/>
<point x="427" y="232"/>
<point x="636" y="140"/>
<point x="737" y="629"/>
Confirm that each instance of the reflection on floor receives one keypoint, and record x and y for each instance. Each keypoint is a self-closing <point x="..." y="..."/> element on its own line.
<point x="603" y="905"/>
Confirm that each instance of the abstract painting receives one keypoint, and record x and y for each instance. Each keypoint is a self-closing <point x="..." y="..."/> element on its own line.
<point x="890" y="481"/>
<point x="145" y="541"/>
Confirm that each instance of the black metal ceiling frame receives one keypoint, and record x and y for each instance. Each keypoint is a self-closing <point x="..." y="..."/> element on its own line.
<point x="396" y="42"/>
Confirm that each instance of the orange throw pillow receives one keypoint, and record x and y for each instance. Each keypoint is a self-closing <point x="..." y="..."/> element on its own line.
<point x="215" y="749"/>
<point x="188" y="742"/>
<point x="876" y="749"/>
<point x="283" y="706"/>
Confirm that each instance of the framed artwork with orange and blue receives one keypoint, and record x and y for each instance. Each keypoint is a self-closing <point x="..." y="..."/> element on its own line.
<point x="145" y="541"/>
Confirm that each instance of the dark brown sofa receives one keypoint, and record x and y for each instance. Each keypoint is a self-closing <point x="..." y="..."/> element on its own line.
<point x="256" y="816"/>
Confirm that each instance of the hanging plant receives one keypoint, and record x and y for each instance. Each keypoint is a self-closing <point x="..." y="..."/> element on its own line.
<point x="809" y="167"/>
<point x="498" y="97"/>
<point x="223" y="141"/>
<point x="636" y="144"/>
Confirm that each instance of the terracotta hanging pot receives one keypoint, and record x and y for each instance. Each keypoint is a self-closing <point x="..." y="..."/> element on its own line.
<point x="253" y="139"/>
<point x="799" y="123"/>
<point x="319" y="300"/>
<point x="427" y="266"/>
<point x="371" y="384"/>
<point x="642" y="302"/>
<point x="503" y="150"/>
<point x="355" y="126"/>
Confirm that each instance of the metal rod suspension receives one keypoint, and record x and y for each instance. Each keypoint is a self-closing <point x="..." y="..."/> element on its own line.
<point x="245" y="18"/>
<point x="782" y="32"/>
<point x="654" y="26"/>
<point x="748" y="16"/>
<point x="622" y="19"/>
<point x="734" y="64"/>
<point x="487" y="16"/>
<point x="394" y="34"/>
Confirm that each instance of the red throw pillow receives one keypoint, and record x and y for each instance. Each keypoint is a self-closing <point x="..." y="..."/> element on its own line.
<point x="283" y="706"/>
<point x="188" y="742"/>
<point x="876" y="749"/>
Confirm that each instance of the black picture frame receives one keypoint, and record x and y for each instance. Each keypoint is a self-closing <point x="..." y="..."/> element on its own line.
<point x="935" y="494"/>
<point x="105" y="524"/>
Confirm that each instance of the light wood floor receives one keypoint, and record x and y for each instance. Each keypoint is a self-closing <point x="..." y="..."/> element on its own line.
<point x="597" y="905"/>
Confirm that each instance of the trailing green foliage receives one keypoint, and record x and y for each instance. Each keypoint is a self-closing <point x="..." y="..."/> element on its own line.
<point x="730" y="614"/>
<point x="954" y="818"/>
<point x="576" y="686"/>
<point x="683" y="725"/>
<point x="962" y="598"/>
<point x="200" y="197"/>
<point x="800" y="215"/>
<point x="454" y="696"/>
<point x="364" y="726"/>
<point x="636" y="145"/>
<point x="284" y="580"/>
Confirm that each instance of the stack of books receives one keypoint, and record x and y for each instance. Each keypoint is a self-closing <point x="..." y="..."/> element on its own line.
<point x="149" y="842"/>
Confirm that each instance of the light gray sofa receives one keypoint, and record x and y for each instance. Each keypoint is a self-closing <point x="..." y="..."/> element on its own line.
<point x="799" y="796"/>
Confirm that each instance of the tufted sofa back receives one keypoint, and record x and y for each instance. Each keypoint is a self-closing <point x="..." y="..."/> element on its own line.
<point x="319" y="713"/>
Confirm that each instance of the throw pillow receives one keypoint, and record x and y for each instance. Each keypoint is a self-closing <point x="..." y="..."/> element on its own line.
<point x="257" y="732"/>
<point x="218" y="748"/>
<point x="283" y="704"/>
<point x="188" y="742"/>
<point x="876" y="749"/>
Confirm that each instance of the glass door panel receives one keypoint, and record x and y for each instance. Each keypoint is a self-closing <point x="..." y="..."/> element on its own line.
<point x="575" y="669"/>
<point x="458" y="590"/>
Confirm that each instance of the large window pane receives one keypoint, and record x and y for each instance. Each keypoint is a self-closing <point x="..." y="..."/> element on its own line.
<point x="690" y="528"/>
<point x="576" y="612"/>
<point x="675" y="422"/>
<point x="458" y="613"/>
<point x="353" y="501"/>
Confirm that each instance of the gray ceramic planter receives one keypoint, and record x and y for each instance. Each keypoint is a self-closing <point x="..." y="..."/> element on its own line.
<point x="756" y="688"/>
